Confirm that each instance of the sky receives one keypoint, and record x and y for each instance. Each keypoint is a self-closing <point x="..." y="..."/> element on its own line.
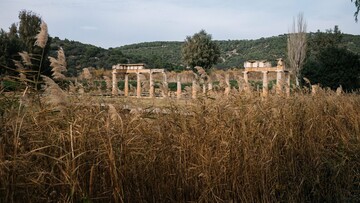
<point x="113" y="23"/>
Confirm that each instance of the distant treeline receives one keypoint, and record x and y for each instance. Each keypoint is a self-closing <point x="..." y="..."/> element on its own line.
<point x="168" y="54"/>
<point x="165" y="55"/>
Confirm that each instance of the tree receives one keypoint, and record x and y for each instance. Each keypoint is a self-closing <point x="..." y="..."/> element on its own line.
<point x="357" y="5"/>
<point x="321" y="40"/>
<point x="10" y="45"/>
<point x="200" y="50"/>
<point x="29" y="27"/>
<point x="297" y="46"/>
<point x="332" y="67"/>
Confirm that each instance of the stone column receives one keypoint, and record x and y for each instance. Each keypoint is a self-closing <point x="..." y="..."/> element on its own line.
<point x="178" y="82"/>
<point x="138" y="85"/>
<point x="246" y="80"/>
<point x="126" y="85"/>
<point x="165" y="86"/>
<point x="287" y="85"/>
<point x="151" y="91"/>
<point x="265" y="84"/>
<point x="210" y="85"/>
<point x="279" y="81"/>
<point x="193" y="88"/>
<point x="114" y="83"/>
<point x="227" y="82"/>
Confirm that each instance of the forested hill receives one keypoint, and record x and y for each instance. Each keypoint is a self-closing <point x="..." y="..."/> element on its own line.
<point x="168" y="54"/>
<point x="233" y="52"/>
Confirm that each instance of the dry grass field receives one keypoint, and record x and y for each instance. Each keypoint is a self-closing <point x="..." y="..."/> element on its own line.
<point x="62" y="146"/>
<point x="239" y="148"/>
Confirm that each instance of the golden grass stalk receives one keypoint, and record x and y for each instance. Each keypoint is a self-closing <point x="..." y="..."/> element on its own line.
<point x="235" y="149"/>
<point x="72" y="88"/>
<point x="42" y="36"/>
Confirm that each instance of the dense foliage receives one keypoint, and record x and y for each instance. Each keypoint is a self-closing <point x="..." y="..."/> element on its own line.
<point x="333" y="67"/>
<point x="21" y="38"/>
<point x="200" y="50"/>
<point x="357" y="5"/>
<point x="330" y="63"/>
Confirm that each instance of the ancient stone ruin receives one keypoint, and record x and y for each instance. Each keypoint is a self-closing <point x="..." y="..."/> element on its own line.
<point x="135" y="69"/>
<point x="264" y="67"/>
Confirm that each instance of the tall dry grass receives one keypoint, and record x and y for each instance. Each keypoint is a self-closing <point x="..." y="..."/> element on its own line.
<point x="236" y="149"/>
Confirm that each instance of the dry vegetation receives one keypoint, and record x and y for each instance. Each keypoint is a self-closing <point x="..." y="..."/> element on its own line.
<point x="235" y="149"/>
<point x="62" y="145"/>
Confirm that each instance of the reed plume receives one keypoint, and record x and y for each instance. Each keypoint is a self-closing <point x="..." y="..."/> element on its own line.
<point x="42" y="36"/>
<point x="25" y="58"/>
<point x="20" y="69"/>
<point x="58" y="65"/>
<point x="86" y="74"/>
<point x="53" y="94"/>
<point x="72" y="88"/>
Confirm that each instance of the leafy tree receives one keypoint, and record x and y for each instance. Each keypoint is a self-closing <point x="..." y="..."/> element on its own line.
<point x="330" y="63"/>
<point x="357" y="5"/>
<point x="10" y="45"/>
<point x="200" y="50"/>
<point x="321" y="40"/>
<point x="332" y="67"/>
<point x="29" y="27"/>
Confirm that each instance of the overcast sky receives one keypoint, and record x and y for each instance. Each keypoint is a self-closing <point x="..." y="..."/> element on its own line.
<point x="112" y="23"/>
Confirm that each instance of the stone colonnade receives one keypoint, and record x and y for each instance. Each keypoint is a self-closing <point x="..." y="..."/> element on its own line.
<point x="139" y="69"/>
<point x="265" y="68"/>
<point x="136" y="69"/>
<point x="279" y="80"/>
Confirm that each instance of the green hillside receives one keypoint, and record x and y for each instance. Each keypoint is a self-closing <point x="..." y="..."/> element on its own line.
<point x="168" y="54"/>
<point x="233" y="52"/>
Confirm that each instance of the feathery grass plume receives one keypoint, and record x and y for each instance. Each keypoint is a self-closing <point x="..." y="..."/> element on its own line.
<point x="20" y="69"/>
<point x="307" y="80"/>
<point x="42" y="36"/>
<point x="18" y="65"/>
<point x="25" y="58"/>
<point x="54" y="95"/>
<point x="86" y="74"/>
<point x="201" y="71"/>
<point x="61" y="57"/>
<point x="108" y="82"/>
<point x="58" y="65"/>
<point x="114" y="116"/>
<point x="72" y="88"/>
<point x="339" y="90"/>
<point x="81" y="89"/>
